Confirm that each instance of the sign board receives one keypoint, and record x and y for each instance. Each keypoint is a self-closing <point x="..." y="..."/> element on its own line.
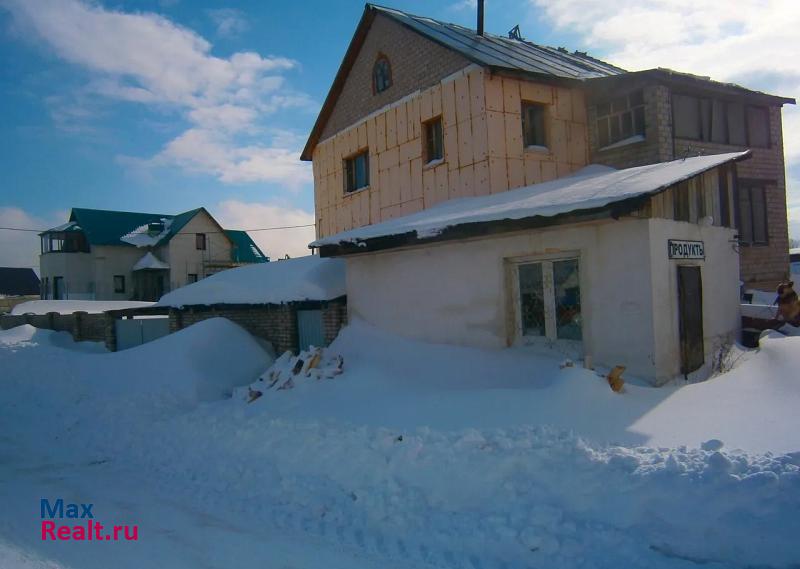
<point x="679" y="249"/>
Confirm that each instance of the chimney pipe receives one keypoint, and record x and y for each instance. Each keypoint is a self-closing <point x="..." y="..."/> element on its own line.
<point x="480" y="17"/>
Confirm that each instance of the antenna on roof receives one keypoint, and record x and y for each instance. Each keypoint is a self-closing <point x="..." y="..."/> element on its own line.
<point x="514" y="33"/>
<point x="480" y="17"/>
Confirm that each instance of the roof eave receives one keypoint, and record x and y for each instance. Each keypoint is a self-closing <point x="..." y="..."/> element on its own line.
<point x="675" y="77"/>
<point x="612" y="210"/>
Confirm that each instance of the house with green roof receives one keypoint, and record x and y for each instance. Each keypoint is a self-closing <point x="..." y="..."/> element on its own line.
<point x="123" y="255"/>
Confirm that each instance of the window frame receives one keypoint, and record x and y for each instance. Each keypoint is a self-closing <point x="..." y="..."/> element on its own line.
<point x="119" y="289"/>
<point x="189" y="278"/>
<point x="200" y="242"/>
<point x="389" y="81"/>
<point x="635" y="107"/>
<point x="548" y="281"/>
<point x="707" y="131"/>
<point x="525" y="106"/>
<point x="748" y="187"/>
<point x="349" y="172"/>
<point x="432" y="124"/>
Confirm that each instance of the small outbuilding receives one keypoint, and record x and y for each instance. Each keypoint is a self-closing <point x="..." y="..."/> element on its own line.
<point x="637" y="267"/>
<point x="291" y="303"/>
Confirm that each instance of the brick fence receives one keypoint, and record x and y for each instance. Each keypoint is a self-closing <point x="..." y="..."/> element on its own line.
<point x="82" y="325"/>
<point x="276" y="323"/>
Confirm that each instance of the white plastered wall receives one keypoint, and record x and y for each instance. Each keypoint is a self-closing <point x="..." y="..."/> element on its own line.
<point x="460" y="292"/>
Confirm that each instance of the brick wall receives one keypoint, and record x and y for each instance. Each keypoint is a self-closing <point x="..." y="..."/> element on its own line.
<point x="82" y="326"/>
<point x="334" y="317"/>
<point x="762" y="266"/>
<point x="657" y="145"/>
<point x="416" y="63"/>
<point x="275" y="323"/>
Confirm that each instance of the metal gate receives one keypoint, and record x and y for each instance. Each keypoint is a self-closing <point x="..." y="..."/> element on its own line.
<point x="690" y="307"/>
<point x="310" y="331"/>
<point x="137" y="331"/>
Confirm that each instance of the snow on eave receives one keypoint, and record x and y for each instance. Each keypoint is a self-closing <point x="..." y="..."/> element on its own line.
<point x="590" y="188"/>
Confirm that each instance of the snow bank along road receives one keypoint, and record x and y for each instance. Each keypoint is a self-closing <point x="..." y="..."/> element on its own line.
<point x="151" y="436"/>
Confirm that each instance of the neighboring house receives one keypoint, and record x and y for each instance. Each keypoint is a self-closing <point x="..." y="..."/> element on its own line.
<point x="422" y="111"/>
<point x="17" y="285"/>
<point x="118" y="255"/>
<point x="638" y="267"/>
<point x="18" y="282"/>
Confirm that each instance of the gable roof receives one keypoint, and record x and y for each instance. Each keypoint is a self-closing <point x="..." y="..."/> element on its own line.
<point x="498" y="53"/>
<point x="589" y="189"/>
<point x="127" y="228"/>
<point x="15" y="281"/>
<point x="244" y="249"/>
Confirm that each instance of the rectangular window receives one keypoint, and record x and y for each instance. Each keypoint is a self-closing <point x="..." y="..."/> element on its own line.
<point x="119" y="283"/>
<point x="680" y="200"/>
<point x="434" y="147"/>
<point x="686" y="117"/>
<point x="620" y="118"/>
<point x="550" y="300"/>
<point x="356" y="172"/>
<point x="191" y="278"/>
<point x="758" y="127"/>
<point x="752" y="214"/>
<point x="200" y="241"/>
<point x="533" y="128"/>
<point x="736" y="130"/>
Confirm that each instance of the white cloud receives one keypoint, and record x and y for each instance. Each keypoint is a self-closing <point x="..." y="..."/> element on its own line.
<point x="234" y="214"/>
<point x="230" y="22"/>
<point x="749" y="42"/>
<point x="21" y="248"/>
<point x="145" y="58"/>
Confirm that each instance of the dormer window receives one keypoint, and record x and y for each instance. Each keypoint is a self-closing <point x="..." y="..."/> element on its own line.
<point x="381" y="75"/>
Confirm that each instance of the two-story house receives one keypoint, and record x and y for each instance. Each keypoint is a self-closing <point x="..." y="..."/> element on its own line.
<point x="450" y="172"/>
<point x="120" y="255"/>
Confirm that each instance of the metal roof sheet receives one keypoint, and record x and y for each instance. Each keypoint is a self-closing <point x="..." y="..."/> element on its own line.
<point x="502" y="52"/>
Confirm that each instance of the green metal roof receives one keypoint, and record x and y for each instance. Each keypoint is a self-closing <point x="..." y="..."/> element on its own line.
<point x="106" y="227"/>
<point x="244" y="248"/>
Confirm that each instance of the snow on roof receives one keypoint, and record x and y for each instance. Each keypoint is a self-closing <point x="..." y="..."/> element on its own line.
<point x="70" y="306"/>
<point x="592" y="187"/>
<point x="149" y="261"/>
<point x="142" y="236"/>
<point x="303" y="278"/>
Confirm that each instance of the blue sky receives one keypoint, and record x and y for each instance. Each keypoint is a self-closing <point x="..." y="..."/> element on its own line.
<point x="167" y="105"/>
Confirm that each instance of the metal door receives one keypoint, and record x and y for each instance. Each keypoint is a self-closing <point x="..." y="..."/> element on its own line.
<point x="690" y="310"/>
<point x="310" y="331"/>
<point x="135" y="332"/>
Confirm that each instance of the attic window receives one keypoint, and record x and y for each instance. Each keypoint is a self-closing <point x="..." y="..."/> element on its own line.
<point x="381" y="75"/>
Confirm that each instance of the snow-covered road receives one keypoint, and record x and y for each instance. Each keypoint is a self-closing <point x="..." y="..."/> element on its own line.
<point x="416" y="456"/>
<point x="174" y="530"/>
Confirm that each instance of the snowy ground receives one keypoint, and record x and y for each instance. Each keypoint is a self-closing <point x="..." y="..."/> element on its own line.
<point x="415" y="456"/>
